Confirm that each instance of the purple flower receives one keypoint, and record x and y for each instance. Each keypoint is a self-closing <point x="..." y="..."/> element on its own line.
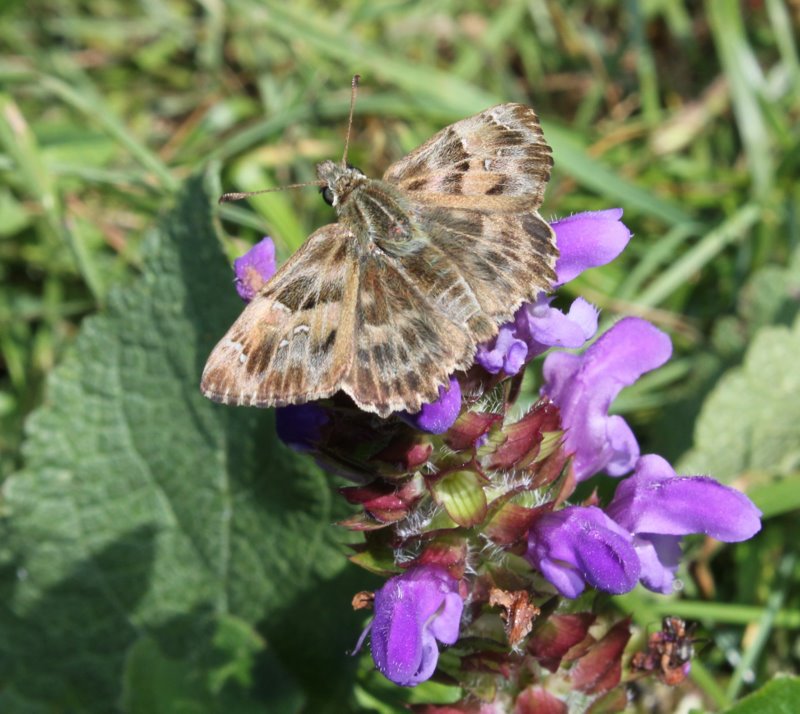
<point x="658" y="507"/>
<point x="506" y="351"/>
<point x="537" y="327"/>
<point x="583" y="387"/>
<point x="254" y="269"/>
<point x="437" y="417"/>
<point x="580" y="545"/>
<point x="585" y="240"/>
<point x="412" y="612"/>
<point x="300" y="425"/>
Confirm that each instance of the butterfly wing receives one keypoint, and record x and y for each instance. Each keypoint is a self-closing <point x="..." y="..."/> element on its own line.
<point x="406" y="345"/>
<point x="473" y="190"/>
<point x="294" y="341"/>
<point x="389" y="326"/>
<point x="497" y="160"/>
<point x="505" y="258"/>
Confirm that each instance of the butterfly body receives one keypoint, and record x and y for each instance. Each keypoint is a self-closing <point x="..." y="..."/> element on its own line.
<point x="421" y="267"/>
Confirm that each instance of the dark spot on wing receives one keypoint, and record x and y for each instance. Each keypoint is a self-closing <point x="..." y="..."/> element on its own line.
<point x="452" y="183"/>
<point x="295" y="293"/>
<point x="498" y="260"/>
<point x="379" y="357"/>
<point x="498" y="188"/>
<point x="536" y="227"/>
<point x="409" y="336"/>
<point x="340" y="254"/>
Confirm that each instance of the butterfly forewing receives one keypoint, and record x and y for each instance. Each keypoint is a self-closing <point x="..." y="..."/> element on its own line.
<point x="294" y="341"/>
<point x="493" y="158"/>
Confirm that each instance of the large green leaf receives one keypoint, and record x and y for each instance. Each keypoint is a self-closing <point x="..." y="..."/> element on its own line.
<point x="751" y="421"/>
<point x="145" y="511"/>
<point x="780" y="696"/>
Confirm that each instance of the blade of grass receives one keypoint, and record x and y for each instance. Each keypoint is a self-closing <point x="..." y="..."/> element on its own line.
<point x="693" y="260"/>
<point x="20" y="143"/>
<point x="659" y="252"/>
<point x="745" y="76"/>
<point x="727" y="613"/>
<point x="784" y="29"/>
<point x="91" y="105"/>
<point x="572" y="158"/>
<point x="706" y="681"/>
<point x="767" y="622"/>
<point x="645" y="65"/>
<point x="325" y="34"/>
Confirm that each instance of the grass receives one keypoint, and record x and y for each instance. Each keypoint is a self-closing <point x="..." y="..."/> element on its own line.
<point x="684" y="115"/>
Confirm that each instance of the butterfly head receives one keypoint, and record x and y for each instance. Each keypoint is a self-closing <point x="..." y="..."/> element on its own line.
<point x="338" y="181"/>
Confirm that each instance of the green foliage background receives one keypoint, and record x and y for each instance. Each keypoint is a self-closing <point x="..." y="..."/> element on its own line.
<point x="163" y="554"/>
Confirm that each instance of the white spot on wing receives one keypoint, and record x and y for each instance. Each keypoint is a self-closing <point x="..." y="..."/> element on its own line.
<point x="301" y="328"/>
<point x="242" y="358"/>
<point x="283" y="343"/>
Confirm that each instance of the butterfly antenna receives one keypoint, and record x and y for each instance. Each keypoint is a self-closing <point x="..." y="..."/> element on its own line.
<point x="353" y="93"/>
<point x="238" y="196"/>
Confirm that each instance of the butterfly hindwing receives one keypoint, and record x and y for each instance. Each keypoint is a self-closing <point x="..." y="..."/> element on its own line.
<point x="506" y="259"/>
<point x="405" y="346"/>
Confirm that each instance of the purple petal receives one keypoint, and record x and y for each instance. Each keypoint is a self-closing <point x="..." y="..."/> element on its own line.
<point x="505" y="352"/>
<point x="412" y="611"/>
<point x="655" y="500"/>
<point x="300" y="425"/>
<point x="659" y="557"/>
<point x="658" y="507"/>
<point x="437" y="417"/>
<point x="587" y="240"/>
<point x="537" y="327"/>
<point x="446" y="626"/>
<point x="544" y="326"/>
<point x="623" y="447"/>
<point x="583" y="387"/>
<point x="254" y="269"/>
<point x="577" y="545"/>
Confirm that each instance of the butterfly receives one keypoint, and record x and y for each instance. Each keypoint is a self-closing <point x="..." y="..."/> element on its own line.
<point x="421" y="267"/>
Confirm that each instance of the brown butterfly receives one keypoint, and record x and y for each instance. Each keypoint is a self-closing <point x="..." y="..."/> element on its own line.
<point x="422" y="266"/>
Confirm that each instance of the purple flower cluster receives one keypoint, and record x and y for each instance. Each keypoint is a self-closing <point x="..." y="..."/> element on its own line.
<point x="637" y="536"/>
<point x="634" y="538"/>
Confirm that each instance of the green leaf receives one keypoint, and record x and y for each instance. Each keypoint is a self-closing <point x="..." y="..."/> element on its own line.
<point x="155" y="683"/>
<point x="780" y="696"/>
<point x="751" y="420"/>
<point x="144" y="509"/>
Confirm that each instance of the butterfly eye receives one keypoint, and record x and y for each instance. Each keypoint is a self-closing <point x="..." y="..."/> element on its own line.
<point x="327" y="195"/>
